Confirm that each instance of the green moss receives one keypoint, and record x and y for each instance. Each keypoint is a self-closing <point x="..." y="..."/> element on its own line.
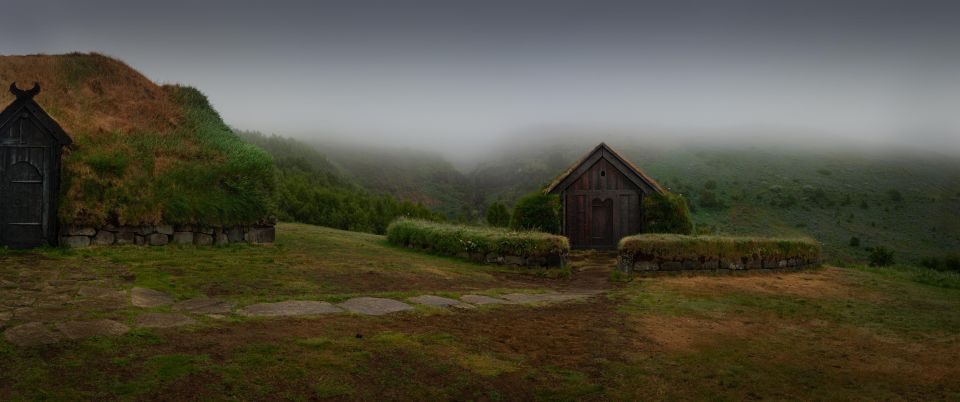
<point x="451" y="239"/>
<point x="679" y="247"/>
<point x="76" y="68"/>
<point x="201" y="172"/>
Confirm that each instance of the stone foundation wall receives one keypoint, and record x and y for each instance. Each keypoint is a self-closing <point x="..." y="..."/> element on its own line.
<point x="631" y="263"/>
<point x="549" y="261"/>
<point x="79" y="236"/>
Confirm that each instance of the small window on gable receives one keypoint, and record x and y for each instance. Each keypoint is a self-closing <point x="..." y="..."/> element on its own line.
<point x="603" y="173"/>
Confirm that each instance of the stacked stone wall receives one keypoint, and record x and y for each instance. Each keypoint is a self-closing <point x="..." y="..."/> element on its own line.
<point x="159" y="235"/>
<point x="639" y="263"/>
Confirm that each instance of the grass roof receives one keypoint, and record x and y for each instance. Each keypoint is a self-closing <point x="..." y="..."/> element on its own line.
<point x="143" y="153"/>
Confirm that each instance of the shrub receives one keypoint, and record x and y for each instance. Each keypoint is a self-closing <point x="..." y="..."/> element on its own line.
<point x="952" y="262"/>
<point x="537" y="211"/>
<point x="731" y="248"/>
<point x="881" y="257"/>
<point x="450" y="239"/>
<point x="709" y="199"/>
<point x="498" y="215"/>
<point x="930" y="262"/>
<point x="667" y="213"/>
<point x="710" y="185"/>
<point x="854" y="241"/>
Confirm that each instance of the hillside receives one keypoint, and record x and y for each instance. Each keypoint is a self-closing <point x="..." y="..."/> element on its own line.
<point x="904" y="201"/>
<point x="312" y="190"/>
<point x="143" y="153"/>
<point x="410" y="175"/>
<point x="907" y="202"/>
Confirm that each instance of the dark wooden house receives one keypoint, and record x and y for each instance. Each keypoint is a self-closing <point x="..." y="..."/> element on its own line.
<point x="602" y="197"/>
<point x="30" y="147"/>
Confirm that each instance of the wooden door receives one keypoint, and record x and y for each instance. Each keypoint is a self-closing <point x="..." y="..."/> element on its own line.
<point x="23" y="206"/>
<point x="601" y="228"/>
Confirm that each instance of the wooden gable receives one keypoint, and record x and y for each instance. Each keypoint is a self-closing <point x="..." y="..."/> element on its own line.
<point x="603" y="152"/>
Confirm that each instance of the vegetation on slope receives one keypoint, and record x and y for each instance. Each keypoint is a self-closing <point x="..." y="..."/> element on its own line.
<point x="449" y="239"/>
<point x="905" y="202"/>
<point x="729" y="248"/>
<point x="143" y="153"/>
<point x="411" y="175"/>
<point x="310" y="190"/>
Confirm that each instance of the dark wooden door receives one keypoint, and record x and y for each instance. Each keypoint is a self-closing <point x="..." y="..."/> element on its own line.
<point x="23" y="206"/>
<point x="601" y="228"/>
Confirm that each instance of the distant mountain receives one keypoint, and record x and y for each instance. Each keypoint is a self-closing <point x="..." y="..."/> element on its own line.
<point x="415" y="176"/>
<point x="312" y="190"/>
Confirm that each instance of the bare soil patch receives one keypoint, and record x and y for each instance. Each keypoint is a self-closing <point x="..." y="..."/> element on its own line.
<point x="816" y="283"/>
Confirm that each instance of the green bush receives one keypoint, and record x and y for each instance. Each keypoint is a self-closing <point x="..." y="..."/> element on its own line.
<point x="930" y="262"/>
<point x="881" y="257"/>
<point x="682" y="247"/>
<point x="854" y="241"/>
<point x="666" y="213"/>
<point x="537" y="211"/>
<point x="952" y="262"/>
<point x="709" y="199"/>
<point x="498" y="215"/>
<point x="450" y="239"/>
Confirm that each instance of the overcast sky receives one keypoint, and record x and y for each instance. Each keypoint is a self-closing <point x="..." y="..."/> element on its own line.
<point x="462" y="76"/>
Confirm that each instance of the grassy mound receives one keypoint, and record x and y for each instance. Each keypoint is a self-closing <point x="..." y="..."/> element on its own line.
<point x="672" y="247"/>
<point x="143" y="153"/>
<point x="443" y="238"/>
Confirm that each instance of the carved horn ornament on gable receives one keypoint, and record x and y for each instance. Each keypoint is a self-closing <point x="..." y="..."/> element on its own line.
<point x="19" y="93"/>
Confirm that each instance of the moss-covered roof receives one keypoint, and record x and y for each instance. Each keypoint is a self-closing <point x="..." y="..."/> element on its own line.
<point x="143" y="153"/>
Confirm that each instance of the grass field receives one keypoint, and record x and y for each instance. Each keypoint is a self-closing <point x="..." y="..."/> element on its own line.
<point x="831" y="333"/>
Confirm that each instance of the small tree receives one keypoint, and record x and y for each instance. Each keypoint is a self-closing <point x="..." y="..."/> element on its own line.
<point x="854" y="241"/>
<point x="537" y="211"/>
<point x="881" y="257"/>
<point x="498" y="215"/>
<point x="667" y="213"/>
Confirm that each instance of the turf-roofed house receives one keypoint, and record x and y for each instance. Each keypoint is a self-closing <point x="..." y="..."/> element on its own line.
<point x="601" y="196"/>
<point x="102" y="155"/>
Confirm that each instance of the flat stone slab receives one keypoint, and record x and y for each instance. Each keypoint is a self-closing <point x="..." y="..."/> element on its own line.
<point x="481" y="300"/>
<point x="162" y="320"/>
<point x="437" y="301"/>
<point x="374" y="306"/>
<point x="99" y="293"/>
<point x="289" y="308"/>
<point x="30" y="334"/>
<point x="143" y="297"/>
<point x="204" y="306"/>
<point x="86" y="329"/>
<point x="526" y="298"/>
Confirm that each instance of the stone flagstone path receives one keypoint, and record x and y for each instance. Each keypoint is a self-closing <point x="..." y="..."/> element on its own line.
<point x="289" y="308"/>
<point x="38" y="332"/>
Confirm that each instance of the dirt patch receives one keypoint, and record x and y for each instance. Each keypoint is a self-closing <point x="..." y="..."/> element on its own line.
<point x="817" y="283"/>
<point x="688" y="333"/>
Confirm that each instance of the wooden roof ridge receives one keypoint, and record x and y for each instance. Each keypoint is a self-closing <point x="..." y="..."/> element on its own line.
<point x="603" y="146"/>
<point x="24" y="102"/>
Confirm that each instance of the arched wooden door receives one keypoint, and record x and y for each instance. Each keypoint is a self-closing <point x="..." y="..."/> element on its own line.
<point x="23" y="206"/>
<point x="601" y="228"/>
